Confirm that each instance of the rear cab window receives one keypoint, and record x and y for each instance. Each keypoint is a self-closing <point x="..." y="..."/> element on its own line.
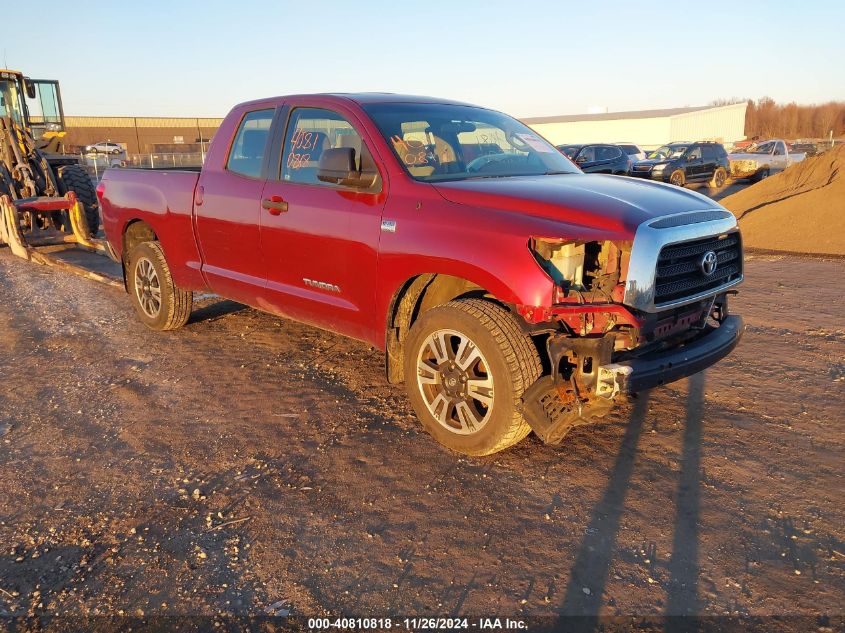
<point x="246" y="156"/>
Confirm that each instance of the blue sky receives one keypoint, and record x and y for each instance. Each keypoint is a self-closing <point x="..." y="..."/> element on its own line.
<point x="186" y="58"/>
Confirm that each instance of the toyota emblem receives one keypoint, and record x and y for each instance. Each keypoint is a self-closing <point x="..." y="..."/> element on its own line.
<point x="708" y="263"/>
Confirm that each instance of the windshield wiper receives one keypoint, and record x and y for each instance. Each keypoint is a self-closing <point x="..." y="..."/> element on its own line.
<point x="557" y="173"/>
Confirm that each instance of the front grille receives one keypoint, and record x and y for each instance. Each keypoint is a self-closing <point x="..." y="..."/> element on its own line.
<point x="679" y="268"/>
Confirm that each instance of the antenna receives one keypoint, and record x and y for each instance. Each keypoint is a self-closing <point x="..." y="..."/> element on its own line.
<point x="5" y="63"/>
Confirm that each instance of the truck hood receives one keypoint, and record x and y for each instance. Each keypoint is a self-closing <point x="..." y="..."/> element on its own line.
<point x="601" y="202"/>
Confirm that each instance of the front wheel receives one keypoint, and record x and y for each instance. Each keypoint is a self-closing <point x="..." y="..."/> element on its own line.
<point x="157" y="301"/>
<point x="761" y="176"/>
<point x="677" y="178"/>
<point x="467" y="364"/>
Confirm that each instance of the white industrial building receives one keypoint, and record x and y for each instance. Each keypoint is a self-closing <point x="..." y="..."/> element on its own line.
<point x="647" y="128"/>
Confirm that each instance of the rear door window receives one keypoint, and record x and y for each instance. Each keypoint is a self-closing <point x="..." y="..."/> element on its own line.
<point x="608" y="152"/>
<point x="246" y="156"/>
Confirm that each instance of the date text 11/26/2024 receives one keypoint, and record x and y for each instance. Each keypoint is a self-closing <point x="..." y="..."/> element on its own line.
<point x="417" y="624"/>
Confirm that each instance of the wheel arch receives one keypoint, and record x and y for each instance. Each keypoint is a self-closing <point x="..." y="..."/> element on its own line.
<point x="135" y="232"/>
<point x="414" y="297"/>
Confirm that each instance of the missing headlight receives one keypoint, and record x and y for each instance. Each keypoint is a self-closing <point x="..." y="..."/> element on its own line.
<point x="582" y="266"/>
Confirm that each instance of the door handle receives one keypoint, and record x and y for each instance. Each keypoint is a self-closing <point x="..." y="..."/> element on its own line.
<point x="275" y="205"/>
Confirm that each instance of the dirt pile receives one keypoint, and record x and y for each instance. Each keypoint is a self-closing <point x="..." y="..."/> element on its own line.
<point x="801" y="210"/>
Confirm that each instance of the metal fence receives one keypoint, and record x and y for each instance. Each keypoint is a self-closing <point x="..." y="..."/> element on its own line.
<point x="96" y="164"/>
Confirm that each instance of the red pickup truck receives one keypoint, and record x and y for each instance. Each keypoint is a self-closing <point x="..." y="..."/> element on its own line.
<point x="509" y="291"/>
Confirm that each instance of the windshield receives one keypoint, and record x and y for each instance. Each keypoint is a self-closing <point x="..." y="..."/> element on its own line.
<point x="668" y="151"/>
<point x="10" y="101"/>
<point x="762" y="148"/>
<point x="436" y="142"/>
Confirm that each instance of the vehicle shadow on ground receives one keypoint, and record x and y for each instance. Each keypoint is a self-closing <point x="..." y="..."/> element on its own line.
<point x="682" y="594"/>
<point x="588" y="578"/>
<point x="216" y="310"/>
<point x="730" y="188"/>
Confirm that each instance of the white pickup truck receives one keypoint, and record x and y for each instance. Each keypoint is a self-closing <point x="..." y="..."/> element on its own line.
<point x="763" y="159"/>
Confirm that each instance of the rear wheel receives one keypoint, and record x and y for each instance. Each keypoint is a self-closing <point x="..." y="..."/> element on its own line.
<point x="157" y="301"/>
<point x="719" y="178"/>
<point x="677" y="178"/>
<point x="761" y="176"/>
<point x="74" y="178"/>
<point x="467" y="364"/>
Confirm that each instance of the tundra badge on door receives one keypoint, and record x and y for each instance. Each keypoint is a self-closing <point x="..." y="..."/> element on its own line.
<point x="322" y="285"/>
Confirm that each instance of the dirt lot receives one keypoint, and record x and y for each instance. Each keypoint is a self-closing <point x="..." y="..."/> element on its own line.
<point x="245" y="460"/>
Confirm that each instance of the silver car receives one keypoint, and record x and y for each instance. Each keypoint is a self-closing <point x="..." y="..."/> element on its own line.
<point x="104" y="147"/>
<point x="634" y="152"/>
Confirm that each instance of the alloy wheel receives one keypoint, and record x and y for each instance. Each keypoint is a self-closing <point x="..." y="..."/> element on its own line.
<point x="455" y="381"/>
<point x="147" y="287"/>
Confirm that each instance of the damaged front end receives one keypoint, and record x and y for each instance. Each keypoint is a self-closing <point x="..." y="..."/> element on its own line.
<point x="613" y="330"/>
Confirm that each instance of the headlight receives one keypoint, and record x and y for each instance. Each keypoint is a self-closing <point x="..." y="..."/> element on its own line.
<point x="53" y="127"/>
<point x="659" y="167"/>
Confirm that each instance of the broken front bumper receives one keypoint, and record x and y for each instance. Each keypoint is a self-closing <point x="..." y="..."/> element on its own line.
<point x="659" y="368"/>
<point x="553" y="405"/>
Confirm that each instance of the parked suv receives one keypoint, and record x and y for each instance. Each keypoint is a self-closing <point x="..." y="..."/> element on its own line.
<point x="680" y="163"/>
<point x="598" y="158"/>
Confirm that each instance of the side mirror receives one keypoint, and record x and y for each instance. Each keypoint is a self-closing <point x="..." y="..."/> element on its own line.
<point x="29" y="88"/>
<point x="581" y="159"/>
<point x="337" y="166"/>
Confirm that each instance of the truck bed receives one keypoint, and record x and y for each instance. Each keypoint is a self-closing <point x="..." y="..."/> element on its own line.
<point x="164" y="198"/>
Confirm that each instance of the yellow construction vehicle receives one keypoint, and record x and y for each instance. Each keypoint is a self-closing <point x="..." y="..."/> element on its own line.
<point x="46" y="197"/>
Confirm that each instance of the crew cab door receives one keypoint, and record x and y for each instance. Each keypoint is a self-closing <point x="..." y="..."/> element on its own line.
<point x="228" y="212"/>
<point x="319" y="239"/>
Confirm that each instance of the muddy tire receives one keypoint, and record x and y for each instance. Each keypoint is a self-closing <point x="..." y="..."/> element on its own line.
<point x="720" y="177"/>
<point x="677" y="178"/>
<point x="467" y="364"/>
<point x="74" y="178"/>
<point x="157" y="301"/>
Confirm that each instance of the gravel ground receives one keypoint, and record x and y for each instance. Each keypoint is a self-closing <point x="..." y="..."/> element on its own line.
<point x="246" y="461"/>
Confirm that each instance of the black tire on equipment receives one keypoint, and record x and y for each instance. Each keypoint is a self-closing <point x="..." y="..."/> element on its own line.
<point x="514" y="365"/>
<point x="74" y="178"/>
<point x="176" y="304"/>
